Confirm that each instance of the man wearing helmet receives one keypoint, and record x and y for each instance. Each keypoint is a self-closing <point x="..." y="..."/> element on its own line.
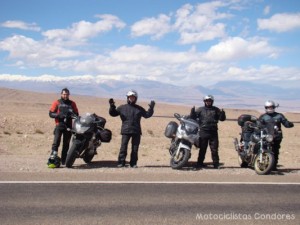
<point x="270" y="117"/>
<point x="131" y="115"/>
<point x="208" y="117"/>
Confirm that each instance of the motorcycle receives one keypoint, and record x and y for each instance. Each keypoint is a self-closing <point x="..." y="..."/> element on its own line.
<point x="88" y="133"/>
<point x="257" y="151"/>
<point x="183" y="137"/>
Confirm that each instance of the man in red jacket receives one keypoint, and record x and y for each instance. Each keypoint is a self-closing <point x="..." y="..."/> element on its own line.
<point x="61" y="111"/>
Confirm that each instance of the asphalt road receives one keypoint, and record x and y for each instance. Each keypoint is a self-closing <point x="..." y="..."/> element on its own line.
<point x="149" y="203"/>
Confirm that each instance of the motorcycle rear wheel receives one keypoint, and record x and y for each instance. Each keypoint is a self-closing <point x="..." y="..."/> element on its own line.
<point x="181" y="160"/>
<point x="73" y="153"/>
<point x="87" y="158"/>
<point x="264" y="167"/>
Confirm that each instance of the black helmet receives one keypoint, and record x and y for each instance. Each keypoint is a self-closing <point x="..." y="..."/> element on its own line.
<point x="54" y="161"/>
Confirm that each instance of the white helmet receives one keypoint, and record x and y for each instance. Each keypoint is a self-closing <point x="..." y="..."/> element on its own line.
<point x="270" y="106"/>
<point x="207" y="97"/>
<point x="132" y="93"/>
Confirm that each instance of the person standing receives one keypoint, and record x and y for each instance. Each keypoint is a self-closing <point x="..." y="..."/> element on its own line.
<point x="270" y="116"/>
<point x="131" y="115"/>
<point x="61" y="111"/>
<point x="208" y="117"/>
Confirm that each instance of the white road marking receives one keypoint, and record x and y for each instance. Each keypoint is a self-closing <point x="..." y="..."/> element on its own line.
<point x="144" y="182"/>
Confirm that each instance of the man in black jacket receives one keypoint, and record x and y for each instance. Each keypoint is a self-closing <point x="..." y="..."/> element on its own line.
<point x="208" y="117"/>
<point x="131" y="115"/>
<point x="273" y="117"/>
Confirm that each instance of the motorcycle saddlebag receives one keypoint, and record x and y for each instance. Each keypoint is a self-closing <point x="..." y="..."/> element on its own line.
<point x="105" y="135"/>
<point x="171" y="129"/>
<point x="245" y="118"/>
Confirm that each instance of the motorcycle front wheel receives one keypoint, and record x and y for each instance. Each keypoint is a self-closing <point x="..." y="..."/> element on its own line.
<point x="264" y="166"/>
<point x="73" y="153"/>
<point x="177" y="162"/>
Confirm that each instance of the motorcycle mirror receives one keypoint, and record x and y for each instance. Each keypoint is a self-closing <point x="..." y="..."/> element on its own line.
<point x="176" y="115"/>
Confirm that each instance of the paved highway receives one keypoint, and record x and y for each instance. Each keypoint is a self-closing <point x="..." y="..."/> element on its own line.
<point x="148" y="203"/>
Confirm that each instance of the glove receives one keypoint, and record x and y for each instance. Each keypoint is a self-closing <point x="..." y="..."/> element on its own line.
<point x="111" y="102"/>
<point x="193" y="110"/>
<point x="152" y="104"/>
<point x="291" y="124"/>
<point x="61" y="115"/>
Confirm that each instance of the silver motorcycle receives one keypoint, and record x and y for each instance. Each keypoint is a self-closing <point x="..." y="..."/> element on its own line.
<point x="88" y="134"/>
<point x="183" y="136"/>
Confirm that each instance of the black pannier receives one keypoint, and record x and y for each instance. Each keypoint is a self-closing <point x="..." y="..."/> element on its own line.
<point x="246" y="118"/>
<point x="171" y="129"/>
<point x="105" y="135"/>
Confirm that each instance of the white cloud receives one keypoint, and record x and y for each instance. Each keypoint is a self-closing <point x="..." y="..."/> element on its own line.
<point x="280" y="22"/>
<point x="84" y="30"/>
<point x="155" y="27"/>
<point x="20" y="25"/>
<point x="41" y="54"/>
<point x="237" y="48"/>
<point x="198" y="23"/>
<point x="264" y="74"/>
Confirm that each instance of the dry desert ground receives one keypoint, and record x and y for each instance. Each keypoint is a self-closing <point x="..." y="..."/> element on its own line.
<point x="26" y="133"/>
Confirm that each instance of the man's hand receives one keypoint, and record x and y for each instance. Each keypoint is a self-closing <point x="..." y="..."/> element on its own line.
<point x="61" y="115"/>
<point x="111" y="102"/>
<point x="152" y="104"/>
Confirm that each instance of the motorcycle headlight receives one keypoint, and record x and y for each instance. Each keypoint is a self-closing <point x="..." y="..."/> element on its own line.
<point x="269" y="138"/>
<point x="255" y="138"/>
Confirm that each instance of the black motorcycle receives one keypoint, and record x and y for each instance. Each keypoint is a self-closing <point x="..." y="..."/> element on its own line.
<point x="88" y="134"/>
<point x="183" y="137"/>
<point x="255" y="146"/>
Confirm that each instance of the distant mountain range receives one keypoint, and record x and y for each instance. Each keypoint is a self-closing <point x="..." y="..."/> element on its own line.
<point x="228" y="94"/>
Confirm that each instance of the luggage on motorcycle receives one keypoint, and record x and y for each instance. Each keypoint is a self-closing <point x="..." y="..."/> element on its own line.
<point x="105" y="135"/>
<point x="171" y="129"/>
<point x="246" y="118"/>
<point x="100" y="121"/>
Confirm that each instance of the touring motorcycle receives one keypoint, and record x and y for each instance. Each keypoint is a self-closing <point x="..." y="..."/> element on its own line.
<point x="183" y="137"/>
<point x="88" y="133"/>
<point x="257" y="151"/>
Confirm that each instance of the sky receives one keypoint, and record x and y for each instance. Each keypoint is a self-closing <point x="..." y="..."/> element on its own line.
<point x="172" y="41"/>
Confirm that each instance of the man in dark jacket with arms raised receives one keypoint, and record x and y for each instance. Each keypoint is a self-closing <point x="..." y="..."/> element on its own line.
<point x="208" y="117"/>
<point x="131" y="115"/>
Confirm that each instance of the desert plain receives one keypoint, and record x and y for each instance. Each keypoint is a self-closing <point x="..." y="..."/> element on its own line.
<point x="26" y="135"/>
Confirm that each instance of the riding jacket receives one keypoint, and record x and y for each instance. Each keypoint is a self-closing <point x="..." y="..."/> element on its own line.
<point x="208" y="117"/>
<point x="60" y="110"/>
<point x="278" y="119"/>
<point x="130" y="115"/>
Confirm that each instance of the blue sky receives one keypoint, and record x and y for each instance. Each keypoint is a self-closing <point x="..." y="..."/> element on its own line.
<point x="178" y="42"/>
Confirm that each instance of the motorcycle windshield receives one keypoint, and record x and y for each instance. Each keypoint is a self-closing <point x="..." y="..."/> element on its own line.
<point x="84" y="123"/>
<point x="269" y="128"/>
<point x="191" y="126"/>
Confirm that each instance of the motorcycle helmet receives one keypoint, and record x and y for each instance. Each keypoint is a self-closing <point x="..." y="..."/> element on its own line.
<point x="270" y="106"/>
<point x="54" y="161"/>
<point x="208" y="98"/>
<point x="132" y="93"/>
